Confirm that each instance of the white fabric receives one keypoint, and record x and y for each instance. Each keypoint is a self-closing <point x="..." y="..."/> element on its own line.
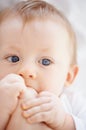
<point x="75" y="105"/>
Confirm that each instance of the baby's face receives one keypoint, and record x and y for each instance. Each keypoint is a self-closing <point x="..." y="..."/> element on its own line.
<point x="37" y="51"/>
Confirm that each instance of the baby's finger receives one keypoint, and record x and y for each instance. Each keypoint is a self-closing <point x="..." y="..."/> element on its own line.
<point x="12" y="85"/>
<point x="39" y="117"/>
<point x="42" y="108"/>
<point x="35" y="102"/>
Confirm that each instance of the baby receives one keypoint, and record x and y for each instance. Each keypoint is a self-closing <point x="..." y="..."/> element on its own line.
<point x="37" y="63"/>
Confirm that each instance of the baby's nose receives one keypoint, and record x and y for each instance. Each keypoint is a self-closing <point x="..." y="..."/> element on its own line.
<point x="28" y="72"/>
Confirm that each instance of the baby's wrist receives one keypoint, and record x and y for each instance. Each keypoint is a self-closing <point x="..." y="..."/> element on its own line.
<point x="68" y="124"/>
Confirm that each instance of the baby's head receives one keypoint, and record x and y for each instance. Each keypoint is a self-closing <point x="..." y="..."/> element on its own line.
<point x="38" y="43"/>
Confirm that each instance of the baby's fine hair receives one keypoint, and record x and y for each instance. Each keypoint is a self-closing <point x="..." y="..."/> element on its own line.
<point x="39" y="9"/>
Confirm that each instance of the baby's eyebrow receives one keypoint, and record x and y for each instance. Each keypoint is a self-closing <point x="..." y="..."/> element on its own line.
<point x="12" y="47"/>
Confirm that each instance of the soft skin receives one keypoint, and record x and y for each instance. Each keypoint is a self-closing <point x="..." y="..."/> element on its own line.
<point x="11" y="88"/>
<point x="18" y="122"/>
<point x="41" y="53"/>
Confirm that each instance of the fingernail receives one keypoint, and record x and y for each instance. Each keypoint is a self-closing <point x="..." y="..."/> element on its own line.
<point x="23" y="106"/>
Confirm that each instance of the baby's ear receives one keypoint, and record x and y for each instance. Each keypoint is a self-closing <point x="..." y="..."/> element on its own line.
<point x="71" y="75"/>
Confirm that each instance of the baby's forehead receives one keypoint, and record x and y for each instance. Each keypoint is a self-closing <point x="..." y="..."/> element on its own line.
<point x="20" y="18"/>
<point x="47" y="31"/>
<point x="46" y="28"/>
<point x="18" y="21"/>
<point x="11" y="20"/>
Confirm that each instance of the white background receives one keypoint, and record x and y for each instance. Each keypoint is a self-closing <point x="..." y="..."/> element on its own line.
<point x="75" y="10"/>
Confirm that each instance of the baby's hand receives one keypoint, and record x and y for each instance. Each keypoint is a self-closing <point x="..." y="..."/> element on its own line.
<point x="11" y="88"/>
<point x="18" y="122"/>
<point x="45" y="108"/>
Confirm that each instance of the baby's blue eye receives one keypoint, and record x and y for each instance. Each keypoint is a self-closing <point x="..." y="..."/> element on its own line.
<point x="13" y="59"/>
<point x="45" y="62"/>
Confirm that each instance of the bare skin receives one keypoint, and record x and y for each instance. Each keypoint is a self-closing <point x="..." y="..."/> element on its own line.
<point x="41" y="108"/>
<point x="44" y="66"/>
<point x="18" y="122"/>
<point x="11" y="88"/>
